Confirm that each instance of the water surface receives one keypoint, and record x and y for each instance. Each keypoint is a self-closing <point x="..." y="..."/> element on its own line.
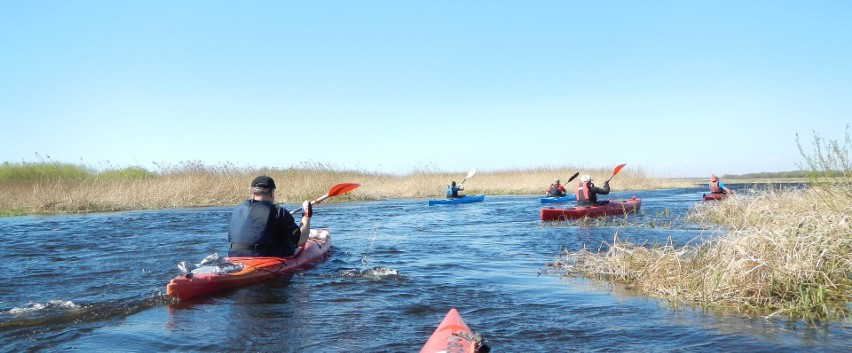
<point x="94" y="283"/>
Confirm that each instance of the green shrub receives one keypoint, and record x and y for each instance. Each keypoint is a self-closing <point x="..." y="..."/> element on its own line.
<point x="42" y="171"/>
<point x="129" y="173"/>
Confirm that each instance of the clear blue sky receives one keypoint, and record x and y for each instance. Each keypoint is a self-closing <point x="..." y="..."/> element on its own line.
<point x="680" y="88"/>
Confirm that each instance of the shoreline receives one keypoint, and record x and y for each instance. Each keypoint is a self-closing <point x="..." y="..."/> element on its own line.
<point x="205" y="186"/>
<point x="56" y="188"/>
<point x="88" y="197"/>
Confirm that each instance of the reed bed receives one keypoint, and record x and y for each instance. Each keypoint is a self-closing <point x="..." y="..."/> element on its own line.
<point x="37" y="188"/>
<point x="783" y="252"/>
<point x="786" y="252"/>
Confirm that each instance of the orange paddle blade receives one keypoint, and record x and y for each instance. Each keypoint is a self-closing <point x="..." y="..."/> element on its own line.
<point x="338" y="189"/>
<point x="342" y="188"/>
<point x="618" y="168"/>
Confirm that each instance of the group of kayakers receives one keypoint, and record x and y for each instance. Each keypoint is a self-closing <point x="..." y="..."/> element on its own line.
<point x="586" y="193"/>
<point x="259" y="227"/>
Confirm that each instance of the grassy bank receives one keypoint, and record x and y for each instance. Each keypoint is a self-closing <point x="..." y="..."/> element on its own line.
<point x="37" y="188"/>
<point x="783" y="252"/>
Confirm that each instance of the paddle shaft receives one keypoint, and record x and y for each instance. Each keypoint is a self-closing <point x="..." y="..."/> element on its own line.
<point x="469" y="174"/>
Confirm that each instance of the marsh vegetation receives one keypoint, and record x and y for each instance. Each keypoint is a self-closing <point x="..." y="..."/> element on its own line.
<point x="777" y="253"/>
<point x="52" y="187"/>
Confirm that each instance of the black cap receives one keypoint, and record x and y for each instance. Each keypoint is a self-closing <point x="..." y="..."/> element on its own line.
<point x="263" y="181"/>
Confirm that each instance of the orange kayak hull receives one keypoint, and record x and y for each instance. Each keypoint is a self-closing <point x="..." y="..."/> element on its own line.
<point x="609" y="209"/>
<point x="714" y="197"/>
<point x="255" y="269"/>
<point x="446" y="337"/>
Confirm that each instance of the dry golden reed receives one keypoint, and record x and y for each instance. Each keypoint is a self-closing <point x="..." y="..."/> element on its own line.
<point x="193" y="184"/>
<point x="781" y="253"/>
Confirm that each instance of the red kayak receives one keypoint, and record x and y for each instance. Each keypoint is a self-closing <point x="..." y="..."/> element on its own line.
<point x="714" y="197"/>
<point x="608" y="209"/>
<point x="453" y="335"/>
<point x="250" y="269"/>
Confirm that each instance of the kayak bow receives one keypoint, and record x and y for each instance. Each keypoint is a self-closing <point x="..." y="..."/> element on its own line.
<point x="453" y="335"/>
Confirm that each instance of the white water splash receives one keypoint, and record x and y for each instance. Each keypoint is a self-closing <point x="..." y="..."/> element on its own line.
<point x="53" y="304"/>
<point x="210" y="264"/>
<point x="375" y="273"/>
<point x="365" y="258"/>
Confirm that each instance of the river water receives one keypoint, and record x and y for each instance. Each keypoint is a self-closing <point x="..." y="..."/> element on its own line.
<point x="95" y="283"/>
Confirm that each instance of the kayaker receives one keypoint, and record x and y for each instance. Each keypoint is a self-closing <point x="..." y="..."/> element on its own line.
<point x="258" y="227"/>
<point x="556" y="189"/>
<point x="587" y="193"/>
<point x="452" y="191"/>
<point x="717" y="187"/>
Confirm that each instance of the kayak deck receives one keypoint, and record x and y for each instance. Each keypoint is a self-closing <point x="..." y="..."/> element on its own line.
<point x="554" y="199"/>
<point x="254" y="269"/>
<point x="713" y="197"/>
<point x="453" y="201"/>
<point x="453" y="335"/>
<point x="608" y="209"/>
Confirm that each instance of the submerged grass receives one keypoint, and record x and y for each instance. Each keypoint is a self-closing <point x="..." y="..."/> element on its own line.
<point x="46" y="187"/>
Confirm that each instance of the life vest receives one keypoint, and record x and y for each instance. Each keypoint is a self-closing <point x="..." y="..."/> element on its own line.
<point x="248" y="231"/>
<point x="714" y="187"/>
<point x="554" y="190"/>
<point x="583" y="194"/>
<point x="449" y="192"/>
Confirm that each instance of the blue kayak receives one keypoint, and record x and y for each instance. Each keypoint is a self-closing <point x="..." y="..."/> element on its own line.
<point x="452" y="201"/>
<point x="552" y="199"/>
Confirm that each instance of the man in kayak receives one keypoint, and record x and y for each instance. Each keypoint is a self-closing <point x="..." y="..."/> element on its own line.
<point x="716" y="186"/>
<point x="587" y="192"/>
<point x="453" y="191"/>
<point x="556" y="189"/>
<point x="258" y="227"/>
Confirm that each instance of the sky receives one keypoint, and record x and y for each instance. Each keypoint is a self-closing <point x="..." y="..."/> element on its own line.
<point x="676" y="88"/>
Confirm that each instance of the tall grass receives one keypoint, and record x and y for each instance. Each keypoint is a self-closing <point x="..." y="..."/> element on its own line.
<point x="785" y="252"/>
<point x="51" y="187"/>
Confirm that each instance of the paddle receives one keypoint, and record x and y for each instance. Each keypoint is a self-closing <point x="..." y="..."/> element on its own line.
<point x="469" y="174"/>
<point x="336" y="190"/>
<point x="616" y="170"/>
<point x="572" y="177"/>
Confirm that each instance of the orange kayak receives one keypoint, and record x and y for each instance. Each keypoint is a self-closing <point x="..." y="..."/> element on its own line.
<point x="453" y="335"/>
<point x="254" y="269"/>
